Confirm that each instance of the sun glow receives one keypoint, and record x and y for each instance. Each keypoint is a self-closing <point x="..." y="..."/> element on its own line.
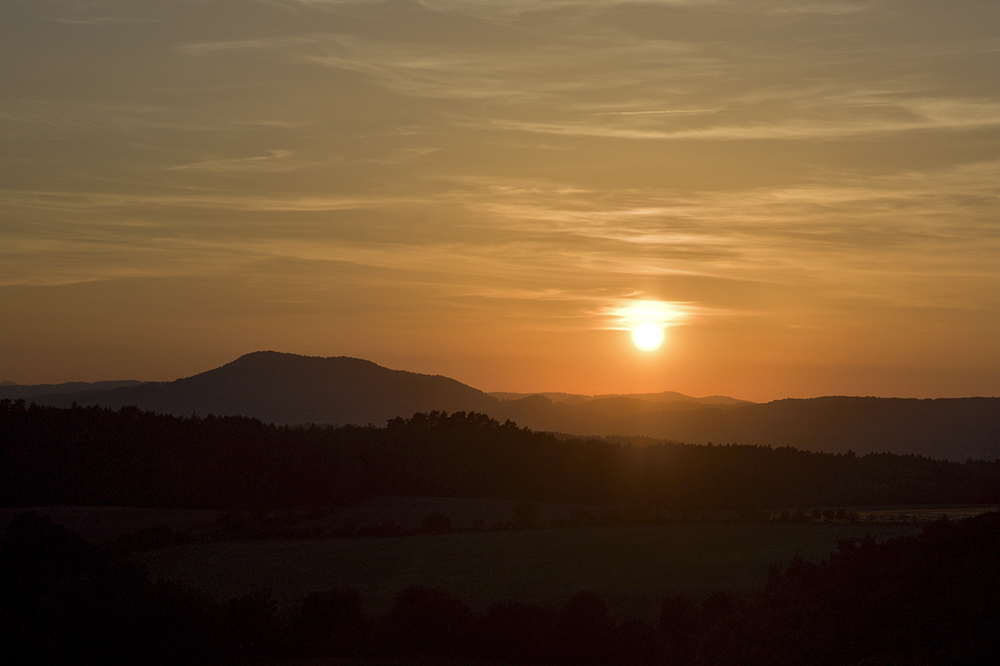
<point x="647" y="320"/>
<point x="648" y="336"/>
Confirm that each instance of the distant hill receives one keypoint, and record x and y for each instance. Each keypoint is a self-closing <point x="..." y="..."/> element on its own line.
<point x="666" y="397"/>
<point x="291" y="389"/>
<point x="12" y="391"/>
<point x="947" y="428"/>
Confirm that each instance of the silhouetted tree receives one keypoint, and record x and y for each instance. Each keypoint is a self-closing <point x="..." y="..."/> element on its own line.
<point x="583" y="629"/>
<point x="518" y="631"/>
<point x="330" y="623"/>
<point x="428" y="622"/>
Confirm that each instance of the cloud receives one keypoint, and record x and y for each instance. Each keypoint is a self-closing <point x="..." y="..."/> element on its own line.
<point x="273" y="161"/>
<point x="602" y="82"/>
<point x="859" y="237"/>
<point x="409" y="68"/>
<point x="95" y="201"/>
<point x="912" y="115"/>
<point x="104" y="20"/>
<point x="71" y="116"/>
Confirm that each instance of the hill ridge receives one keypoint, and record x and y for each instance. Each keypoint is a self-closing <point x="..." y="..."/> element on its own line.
<point x="291" y="389"/>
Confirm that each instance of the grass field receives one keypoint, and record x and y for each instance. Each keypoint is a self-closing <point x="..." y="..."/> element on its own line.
<point x="633" y="568"/>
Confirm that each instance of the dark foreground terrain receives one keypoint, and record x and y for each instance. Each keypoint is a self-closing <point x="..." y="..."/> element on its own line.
<point x="92" y="456"/>
<point x="928" y="598"/>
<point x="632" y="568"/>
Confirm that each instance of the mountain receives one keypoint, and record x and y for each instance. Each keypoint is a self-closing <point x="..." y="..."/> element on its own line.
<point x="292" y="389"/>
<point x="665" y="397"/>
<point x="947" y="428"/>
<point x="12" y="391"/>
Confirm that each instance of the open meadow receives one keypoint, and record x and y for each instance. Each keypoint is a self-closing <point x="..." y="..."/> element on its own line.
<point x="632" y="568"/>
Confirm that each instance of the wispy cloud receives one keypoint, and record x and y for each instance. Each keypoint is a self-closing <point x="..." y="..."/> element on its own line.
<point x="914" y="115"/>
<point x="119" y="118"/>
<point x="91" y="201"/>
<point x="104" y="20"/>
<point x="273" y="161"/>
<point x="616" y="85"/>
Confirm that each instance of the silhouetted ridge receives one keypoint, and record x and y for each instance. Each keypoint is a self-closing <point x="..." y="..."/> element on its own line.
<point x="12" y="391"/>
<point x="90" y="456"/>
<point x="952" y="428"/>
<point x="289" y="388"/>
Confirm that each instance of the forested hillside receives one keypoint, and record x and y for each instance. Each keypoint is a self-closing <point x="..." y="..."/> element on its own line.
<point x="130" y="457"/>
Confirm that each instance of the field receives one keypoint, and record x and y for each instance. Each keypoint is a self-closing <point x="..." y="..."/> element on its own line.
<point x="633" y="568"/>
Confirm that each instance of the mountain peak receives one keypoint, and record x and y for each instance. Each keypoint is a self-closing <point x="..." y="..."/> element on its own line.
<point x="270" y="356"/>
<point x="287" y="388"/>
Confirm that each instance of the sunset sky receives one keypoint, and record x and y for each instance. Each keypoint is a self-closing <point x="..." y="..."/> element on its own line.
<point x="805" y="194"/>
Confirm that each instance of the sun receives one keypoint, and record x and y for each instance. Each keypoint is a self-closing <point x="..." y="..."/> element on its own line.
<point x="647" y="320"/>
<point x="647" y="336"/>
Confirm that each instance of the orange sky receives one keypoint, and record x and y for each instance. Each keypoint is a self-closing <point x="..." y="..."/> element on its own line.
<point x="810" y="190"/>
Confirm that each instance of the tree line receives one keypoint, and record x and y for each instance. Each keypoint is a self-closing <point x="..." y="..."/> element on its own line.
<point x="130" y="457"/>
<point x="928" y="599"/>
